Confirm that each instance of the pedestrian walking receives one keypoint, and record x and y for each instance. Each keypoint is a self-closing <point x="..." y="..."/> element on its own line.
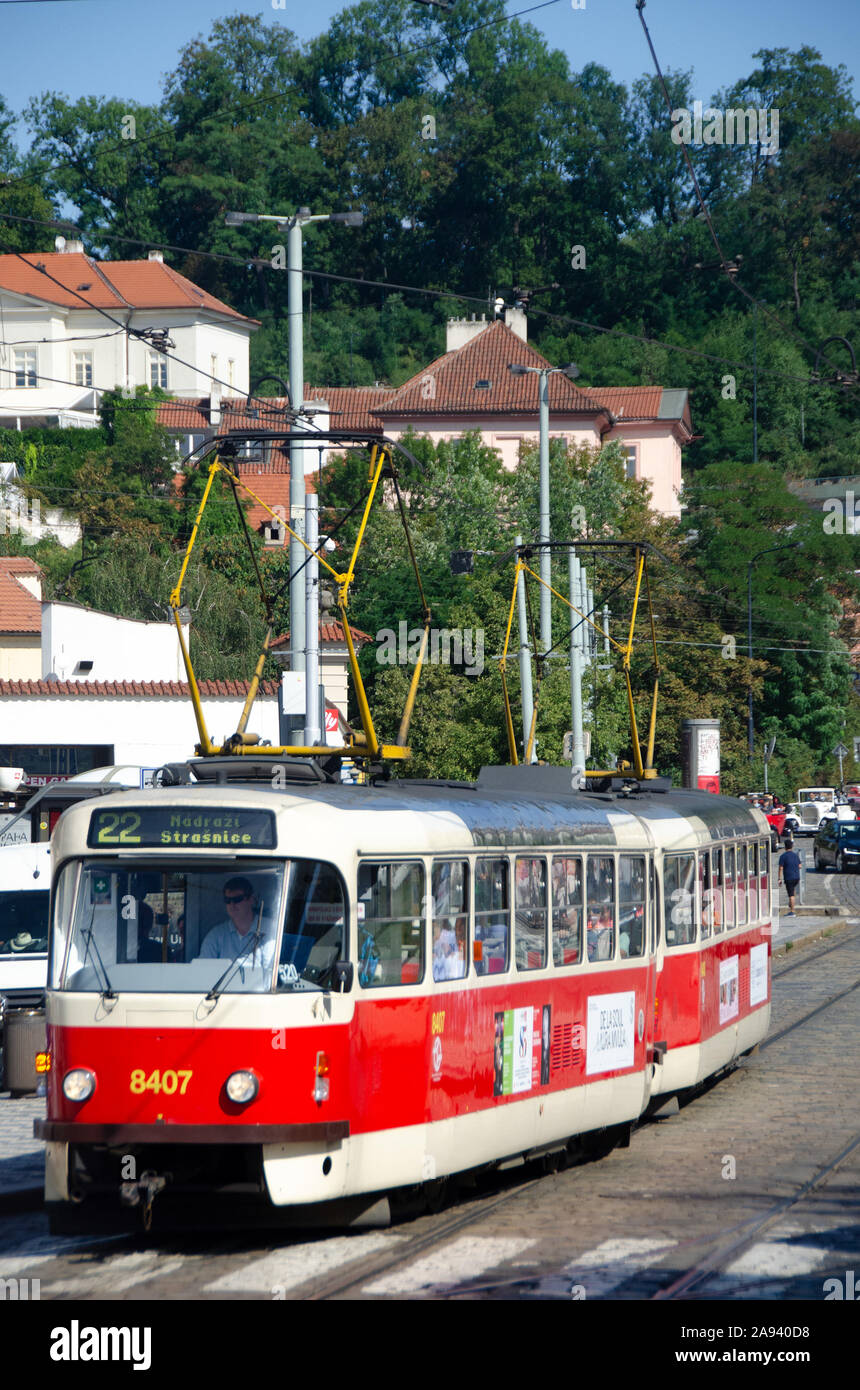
<point x="789" y="873"/>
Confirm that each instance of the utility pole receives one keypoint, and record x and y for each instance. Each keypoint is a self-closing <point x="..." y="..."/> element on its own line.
<point x="571" y="371"/>
<point x="546" y="553"/>
<point x="294" y="223"/>
<point x="313" y="732"/>
<point x="578" y="751"/>
<point x="525" y="661"/>
<point x="298" y="631"/>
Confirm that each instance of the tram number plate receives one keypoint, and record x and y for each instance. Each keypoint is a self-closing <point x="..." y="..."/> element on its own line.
<point x="168" y="1082"/>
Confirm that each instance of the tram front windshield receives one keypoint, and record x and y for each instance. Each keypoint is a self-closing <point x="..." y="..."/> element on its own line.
<point x="179" y="927"/>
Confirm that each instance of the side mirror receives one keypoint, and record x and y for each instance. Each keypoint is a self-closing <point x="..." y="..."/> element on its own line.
<point x="342" y="976"/>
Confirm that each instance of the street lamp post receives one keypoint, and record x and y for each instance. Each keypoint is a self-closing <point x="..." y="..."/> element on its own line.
<point x="571" y="371"/>
<point x="791" y="545"/>
<point x="294" y="225"/>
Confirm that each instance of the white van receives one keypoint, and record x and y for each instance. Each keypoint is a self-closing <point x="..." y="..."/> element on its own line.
<point x="25" y="888"/>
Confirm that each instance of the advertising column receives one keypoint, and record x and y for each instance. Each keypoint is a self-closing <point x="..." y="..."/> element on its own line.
<point x="700" y="754"/>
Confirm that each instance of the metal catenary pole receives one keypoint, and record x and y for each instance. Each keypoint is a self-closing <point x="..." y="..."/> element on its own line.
<point x="313" y="732"/>
<point x="578" y="750"/>
<point x="525" y="661"/>
<point x="298" y="630"/>
<point x="546" y="554"/>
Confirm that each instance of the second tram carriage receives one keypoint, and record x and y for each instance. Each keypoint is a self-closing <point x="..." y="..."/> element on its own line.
<point x="430" y="978"/>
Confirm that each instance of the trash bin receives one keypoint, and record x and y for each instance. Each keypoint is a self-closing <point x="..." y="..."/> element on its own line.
<point x="25" y="1036"/>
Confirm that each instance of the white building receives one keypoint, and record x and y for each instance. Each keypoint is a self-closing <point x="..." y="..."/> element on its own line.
<point x="66" y="336"/>
<point x="54" y="729"/>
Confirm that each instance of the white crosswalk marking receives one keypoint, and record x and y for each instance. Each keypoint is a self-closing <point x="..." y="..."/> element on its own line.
<point x="287" y="1269"/>
<point x="613" y="1262"/>
<point x="785" y="1253"/>
<point x="466" y="1258"/>
<point x="118" y="1275"/>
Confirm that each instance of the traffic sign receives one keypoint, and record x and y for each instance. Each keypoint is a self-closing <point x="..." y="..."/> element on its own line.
<point x="840" y="751"/>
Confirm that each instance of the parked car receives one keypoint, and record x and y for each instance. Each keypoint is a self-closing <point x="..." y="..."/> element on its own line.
<point x="837" y="845"/>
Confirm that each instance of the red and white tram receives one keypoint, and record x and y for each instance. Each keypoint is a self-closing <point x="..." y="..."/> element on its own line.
<point x="297" y="999"/>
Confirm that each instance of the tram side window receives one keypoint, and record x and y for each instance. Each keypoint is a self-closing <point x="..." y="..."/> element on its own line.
<point x="705" y="895"/>
<point x="743" y="887"/>
<point x="764" y="877"/>
<point x="752" y="883"/>
<point x="679" y="898"/>
<point x="566" y="911"/>
<point x="631" y="906"/>
<point x="531" y="914"/>
<point x="600" y="907"/>
<point x="390" y="924"/>
<point x="729" y="887"/>
<point x="492" y="916"/>
<point x="315" y="924"/>
<point x="450" y="919"/>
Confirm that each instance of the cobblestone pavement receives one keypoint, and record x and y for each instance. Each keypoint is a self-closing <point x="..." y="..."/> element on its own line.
<point x="622" y="1228"/>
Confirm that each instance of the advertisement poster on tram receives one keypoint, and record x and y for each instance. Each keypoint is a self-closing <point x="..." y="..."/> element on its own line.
<point x="758" y="974"/>
<point x="518" y="1050"/>
<point x="611" y="1032"/>
<point x="728" y="988"/>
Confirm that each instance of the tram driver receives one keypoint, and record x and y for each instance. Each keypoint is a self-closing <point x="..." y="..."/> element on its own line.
<point x="244" y="931"/>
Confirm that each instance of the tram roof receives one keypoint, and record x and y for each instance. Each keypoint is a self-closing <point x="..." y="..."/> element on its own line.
<point x="506" y="807"/>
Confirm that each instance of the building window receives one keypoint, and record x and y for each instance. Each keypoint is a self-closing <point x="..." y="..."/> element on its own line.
<point x="158" y="370"/>
<point x="25" y="363"/>
<point x="630" y="453"/>
<point x="231" y="366"/>
<point x="82" y="368"/>
<point x="213" y="366"/>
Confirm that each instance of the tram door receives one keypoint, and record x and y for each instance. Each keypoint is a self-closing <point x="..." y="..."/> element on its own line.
<point x="654" y="1030"/>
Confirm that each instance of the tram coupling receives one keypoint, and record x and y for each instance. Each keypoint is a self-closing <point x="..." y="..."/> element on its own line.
<point x="143" y="1193"/>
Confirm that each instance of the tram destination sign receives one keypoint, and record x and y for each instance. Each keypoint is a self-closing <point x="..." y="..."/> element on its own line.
<point x="181" y="827"/>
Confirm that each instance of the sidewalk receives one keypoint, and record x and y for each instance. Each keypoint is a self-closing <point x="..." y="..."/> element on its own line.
<point x="22" y="1158"/>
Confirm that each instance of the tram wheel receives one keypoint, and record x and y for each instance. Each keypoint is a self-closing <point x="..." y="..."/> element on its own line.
<point x="435" y="1194"/>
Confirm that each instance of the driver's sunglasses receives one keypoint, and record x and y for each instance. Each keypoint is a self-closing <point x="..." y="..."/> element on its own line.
<point x="241" y="898"/>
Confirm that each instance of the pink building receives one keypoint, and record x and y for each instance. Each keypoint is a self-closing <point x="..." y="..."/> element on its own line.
<point x="470" y="388"/>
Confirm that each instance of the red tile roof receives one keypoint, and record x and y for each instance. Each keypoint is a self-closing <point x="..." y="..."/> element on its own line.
<point x="353" y="407"/>
<point x="105" y="284"/>
<point x="448" y="385"/>
<point x="629" y="402"/>
<point x="329" y="632"/>
<point x="20" y="612"/>
<point x="19" y="564"/>
<point x="156" y="689"/>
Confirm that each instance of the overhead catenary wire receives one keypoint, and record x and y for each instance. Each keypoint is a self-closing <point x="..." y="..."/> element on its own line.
<point x="458" y="296"/>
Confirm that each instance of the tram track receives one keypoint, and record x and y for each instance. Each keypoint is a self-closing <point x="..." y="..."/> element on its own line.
<point x="715" y="1264"/>
<point x="743" y="1235"/>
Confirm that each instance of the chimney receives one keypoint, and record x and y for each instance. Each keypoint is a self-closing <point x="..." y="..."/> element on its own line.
<point x="156" y="256"/>
<point x="67" y="247"/>
<point x="459" y="332"/>
<point x="215" y="404"/>
<point x="517" y="323"/>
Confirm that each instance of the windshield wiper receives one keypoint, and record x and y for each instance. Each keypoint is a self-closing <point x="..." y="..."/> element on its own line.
<point x="108" y="992"/>
<point x="243" y="950"/>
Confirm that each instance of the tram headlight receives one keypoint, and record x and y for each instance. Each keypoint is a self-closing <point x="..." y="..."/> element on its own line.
<point x="321" y="1078"/>
<point x="242" y="1087"/>
<point x="79" y="1084"/>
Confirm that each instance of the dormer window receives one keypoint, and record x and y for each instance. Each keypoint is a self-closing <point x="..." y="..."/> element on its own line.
<point x="483" y="384"/>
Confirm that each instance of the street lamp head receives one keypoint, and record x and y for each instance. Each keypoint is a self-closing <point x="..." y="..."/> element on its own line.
<point x="349" y="219"/>
<point x="236" y="219"/>
<point x="516" y="369"/>
<point x="571" y="371"/>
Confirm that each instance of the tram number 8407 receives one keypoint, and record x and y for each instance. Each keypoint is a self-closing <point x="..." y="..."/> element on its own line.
<point x="167" y="1081"/>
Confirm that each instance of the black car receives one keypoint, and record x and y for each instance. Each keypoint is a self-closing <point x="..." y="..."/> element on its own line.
<point x="837" y="845"/>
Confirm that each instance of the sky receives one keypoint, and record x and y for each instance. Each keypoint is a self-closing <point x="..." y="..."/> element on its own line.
<point x="124" y="48"/>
